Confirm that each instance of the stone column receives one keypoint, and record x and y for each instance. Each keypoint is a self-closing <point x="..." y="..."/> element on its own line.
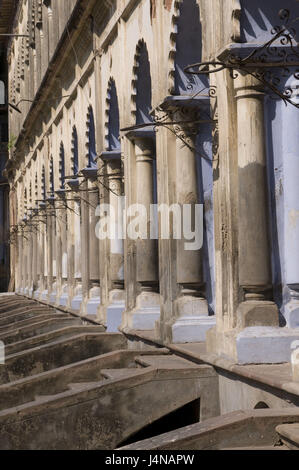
<point x="20" y="259"/>
<point x="290" y="146"/>
<point x="42" y="264"/>
<point x="255" y="277"/>
<point x="147" y="310"/>
<point x="93" y="297"/>
<point x="49" y="242"/>
<point x="61" y="247"/>
<point x="74" y="246"/>
<point x="70" y="202"/>
<point x="34" y="252"/>
<point x="192" y="319"/>
<point x="84" y="237"/>
<point x="30" y="254"/>
<point x="25" y="257"/>
<point x="116" y="305"/>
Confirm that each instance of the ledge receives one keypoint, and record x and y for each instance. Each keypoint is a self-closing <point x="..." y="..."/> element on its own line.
<point x="277" y="376"/>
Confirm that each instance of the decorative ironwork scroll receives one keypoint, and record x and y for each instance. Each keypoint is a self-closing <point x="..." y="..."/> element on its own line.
<point x="272" y="63"/>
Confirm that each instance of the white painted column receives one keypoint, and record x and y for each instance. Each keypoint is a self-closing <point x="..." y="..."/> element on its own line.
<point x="93" y="299"/>
<point x="192" y="319"/>
<point x="290" y="147"/>
<point x="255" y="276"/>
<point x="147" y="310"/>
<point x="116" y="305"/>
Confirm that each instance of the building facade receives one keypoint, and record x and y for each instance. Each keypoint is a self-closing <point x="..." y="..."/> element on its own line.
<point x="105" y="113"/>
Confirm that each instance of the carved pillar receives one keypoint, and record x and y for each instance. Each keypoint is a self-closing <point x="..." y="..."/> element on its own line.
<point x="61" y="247"/>
<point x="147" y="310"/>
<point x="74" y="246"/>
<point x="191" y="308"/>
<point x="255" y="277"/>
<point x="34" y="253"/>
<point x="116" y="305"/>
<point x="93" y="299"/>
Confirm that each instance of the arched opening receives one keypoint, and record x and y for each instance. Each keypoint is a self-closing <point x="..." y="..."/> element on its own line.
<point x="261" y="405"/>
<point x="61" y="166"/>
<point x="43" y="188"/>
<point x="92" y="154"/>
<point x="75" y="153"/>
<point x="143" y="87"/>
<point x="113" y="140"/>
<point x="52" y="185"/>
<point x="188" y="49"/>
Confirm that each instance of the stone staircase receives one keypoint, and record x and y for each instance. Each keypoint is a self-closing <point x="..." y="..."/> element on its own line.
<point x="264" y="429"/>
<point x="67" y="384"/>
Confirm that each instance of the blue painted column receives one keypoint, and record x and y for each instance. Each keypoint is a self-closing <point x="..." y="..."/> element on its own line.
<point x="290" y="136"/>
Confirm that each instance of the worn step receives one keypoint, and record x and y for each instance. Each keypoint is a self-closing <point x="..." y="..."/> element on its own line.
<point x="29" y="321"/>
<point x="289" y="434"/>
<point x="59" y="353"/>
<point x="236" y="430"/>
<point x="16" y="307"/>
<point x="82" y="385"/>
<point x="13" y="318"/>
<point x="165" y="362"/>
<point x="56" y="380"/>
<point x="117" y="374"/>
<point x="97" y="415"/>
<point x="258" y="448"/>
<point x="60" y="333"/>
<point x="38" y="328"/>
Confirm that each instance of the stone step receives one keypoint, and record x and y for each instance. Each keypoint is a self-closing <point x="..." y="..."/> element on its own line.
<point x="165" y="362"/>
<point x="236" y="430"/>
<point x="117" y="374"/>
<point x="16" y="307"/>
<point x="38" y="328"/>
<point x="29" y="321"/>
<point x="109" y="411"/>
<point x="59" y="353"/>
<point x="82" y="385"/>
<point x="258" y="448"/>
<point x="46" y="338"/>
<point x="56" y="380"/>
<point x="8" y="319"/>
<point x="289" y="434"/>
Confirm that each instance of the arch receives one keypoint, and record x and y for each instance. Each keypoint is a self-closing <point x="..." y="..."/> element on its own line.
<point x="141" y="85"/>
<point x="75" y="152"/>
<point x="112" y="118"/>
<point x="36" y="189"/>
<point x="91" y="143"/>
<point x="51" y="177"/>
<point x="261" y="405"/>
<point x="61" y="166"/>
<point x="185" y="49"/>
<point x="25" y="202"/>
<point x="43" y="187"/>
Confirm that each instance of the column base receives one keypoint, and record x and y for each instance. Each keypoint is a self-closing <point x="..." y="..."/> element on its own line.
<point x="114" y="311"/>
<point x="257" y="313"/>
<point x="77" y="300"/>
<point x="44" y="295"/>
<point x="192" y="320"/>
<point x="91" y="303"/>
<point x="63" y="299"/>
<point x="146" y="313"/>
<point x="192" y="329"/>
<point x="291" y="314"/>
<point x="254" y="345"/>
